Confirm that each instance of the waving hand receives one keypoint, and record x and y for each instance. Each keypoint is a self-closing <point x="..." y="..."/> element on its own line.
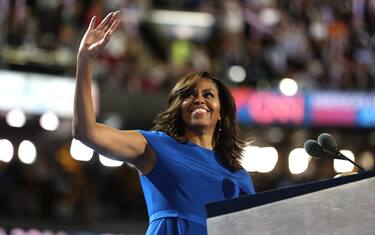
<point x="97" y="37"/>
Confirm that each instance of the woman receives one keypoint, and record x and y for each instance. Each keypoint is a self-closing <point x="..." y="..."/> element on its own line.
<point x="190" y="158"/>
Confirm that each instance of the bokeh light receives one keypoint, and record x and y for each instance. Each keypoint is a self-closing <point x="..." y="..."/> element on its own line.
<point x="342" y="166"/>
<point x="27" y="152"/>
<point x="16" y="118"/>
<point x="298" y="161"/>
<point x="49" y="121"/>
<point x="288" y="86"/>
<point x="79" y="151"/>
<point x="108" y="162"/>
<point x="6" y="150"/>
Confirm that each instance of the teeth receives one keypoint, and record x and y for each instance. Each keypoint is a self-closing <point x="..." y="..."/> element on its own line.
<point x="199" y="110"/>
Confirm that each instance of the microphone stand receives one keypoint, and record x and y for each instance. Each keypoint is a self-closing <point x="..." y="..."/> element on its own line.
<point x="346" y="158"/>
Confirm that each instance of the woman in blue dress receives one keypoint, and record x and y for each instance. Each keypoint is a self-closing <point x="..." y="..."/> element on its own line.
<point x="190" y="158"/>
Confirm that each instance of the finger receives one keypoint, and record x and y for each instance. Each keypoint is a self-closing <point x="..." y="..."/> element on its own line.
<point x="114" y="26"/>
<point x="92" y="22"/>
<point x="115" y="16"/>
<point x="105" y="21"/>
<point x="90" y="27"/>
<point x="104" y="40"/>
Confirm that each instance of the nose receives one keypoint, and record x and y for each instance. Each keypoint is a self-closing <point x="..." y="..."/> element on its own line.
<point x="199" y="99"/>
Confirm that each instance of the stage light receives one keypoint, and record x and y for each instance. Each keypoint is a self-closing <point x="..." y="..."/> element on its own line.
<point x="298" y="161"/>
<point x="259" y="159"/>
<point x="27" y="152"/>
<point x="79" y="151"/>
<point x="249" y="160"/>
<point x="288" y="87"/>
<point x="267" y="159"/>
<point x="342" y="166"/>
<point x="236" y="73"/>
<point x="49" y="121"/>
<point x="109" y="162"/>
<point x="6" y="150"/>
<point x="16" y="118"/>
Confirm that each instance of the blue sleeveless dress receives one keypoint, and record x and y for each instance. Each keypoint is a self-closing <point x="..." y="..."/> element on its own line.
<point x="184" y="179"/>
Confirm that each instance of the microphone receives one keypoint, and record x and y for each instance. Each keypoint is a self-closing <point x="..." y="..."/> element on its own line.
<point x="314" y="149"/>
<point x="327" y="141"/>
<point x="326" y="147"/>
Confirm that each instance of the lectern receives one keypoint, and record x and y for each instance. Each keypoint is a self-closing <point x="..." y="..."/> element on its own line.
<point x="344" y="205"/>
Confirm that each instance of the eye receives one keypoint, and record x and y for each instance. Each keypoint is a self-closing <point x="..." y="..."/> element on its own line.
<point x="189" y="94"/>
<point x="208" y="94"/>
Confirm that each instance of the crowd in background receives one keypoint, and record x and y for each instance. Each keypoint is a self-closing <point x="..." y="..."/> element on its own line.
<point x="322" y="44"/>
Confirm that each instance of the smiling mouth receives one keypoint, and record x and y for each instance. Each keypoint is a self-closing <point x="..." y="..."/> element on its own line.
<point x="199" y="111"/>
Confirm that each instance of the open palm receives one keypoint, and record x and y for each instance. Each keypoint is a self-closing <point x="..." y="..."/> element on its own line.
<point x="97" y="37"/>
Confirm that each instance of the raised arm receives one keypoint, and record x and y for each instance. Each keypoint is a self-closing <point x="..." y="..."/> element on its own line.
<point x="129" y="146"/>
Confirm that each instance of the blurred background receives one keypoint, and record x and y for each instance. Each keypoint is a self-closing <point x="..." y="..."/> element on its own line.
<point x="296" y="68"/>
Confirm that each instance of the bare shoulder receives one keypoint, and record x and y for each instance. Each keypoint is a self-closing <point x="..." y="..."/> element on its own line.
<point x="134" y="136"/>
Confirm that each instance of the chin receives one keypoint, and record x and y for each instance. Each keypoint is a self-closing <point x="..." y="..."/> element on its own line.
<point x="200" y="125"/>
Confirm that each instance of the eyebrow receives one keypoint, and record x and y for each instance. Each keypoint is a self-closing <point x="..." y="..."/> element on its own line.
<point x="204" y="90"/>
<point x="209" y="89"/>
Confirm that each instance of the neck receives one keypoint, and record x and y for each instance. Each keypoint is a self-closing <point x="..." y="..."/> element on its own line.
<point x="202" y="138"/>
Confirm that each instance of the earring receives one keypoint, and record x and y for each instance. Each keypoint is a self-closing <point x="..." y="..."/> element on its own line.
<point x="220" y="126"/>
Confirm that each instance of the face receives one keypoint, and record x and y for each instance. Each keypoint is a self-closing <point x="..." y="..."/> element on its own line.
<point x="201" y="106"/>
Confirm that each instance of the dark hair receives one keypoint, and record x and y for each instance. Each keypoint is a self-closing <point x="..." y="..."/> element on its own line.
<point x="226" y="142"/>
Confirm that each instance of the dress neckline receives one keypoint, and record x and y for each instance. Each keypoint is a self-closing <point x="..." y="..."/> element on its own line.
<point x="198" y="146"/>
